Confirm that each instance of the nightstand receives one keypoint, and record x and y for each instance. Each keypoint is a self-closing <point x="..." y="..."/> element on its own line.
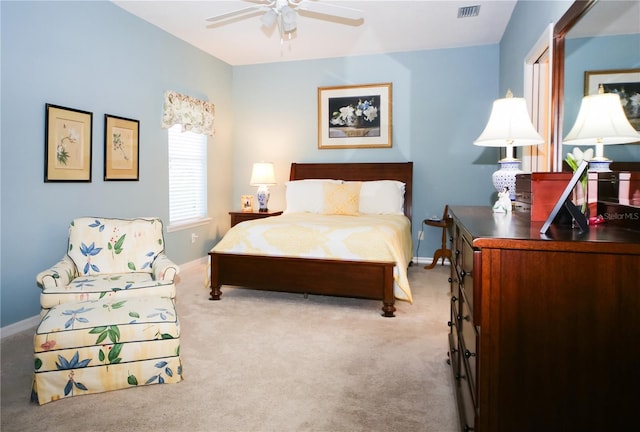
<point x="241" y="216"/>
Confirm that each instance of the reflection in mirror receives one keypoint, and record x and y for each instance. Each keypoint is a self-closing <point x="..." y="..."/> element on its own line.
<point x="605" y="39"/>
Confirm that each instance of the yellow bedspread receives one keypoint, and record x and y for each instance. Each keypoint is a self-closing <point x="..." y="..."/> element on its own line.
<point x="385" y="238"/>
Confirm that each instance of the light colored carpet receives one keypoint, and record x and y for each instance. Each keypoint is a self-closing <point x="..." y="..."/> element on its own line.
<point x="263" y="361"/>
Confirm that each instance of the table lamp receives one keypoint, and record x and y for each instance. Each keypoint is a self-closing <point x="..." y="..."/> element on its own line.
<point x="262" y="176"/>
<point x="509" y="126"/>
<point x="601" y="121"/>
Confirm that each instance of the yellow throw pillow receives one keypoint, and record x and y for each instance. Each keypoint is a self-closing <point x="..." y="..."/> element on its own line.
<point x="342" y="199"/>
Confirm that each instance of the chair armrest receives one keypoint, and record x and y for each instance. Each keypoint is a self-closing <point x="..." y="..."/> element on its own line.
<point x="58" y="275"/>
<point x="164" y="269"/>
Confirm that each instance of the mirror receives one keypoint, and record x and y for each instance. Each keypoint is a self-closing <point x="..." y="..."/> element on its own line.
<point x="582" y="33"/>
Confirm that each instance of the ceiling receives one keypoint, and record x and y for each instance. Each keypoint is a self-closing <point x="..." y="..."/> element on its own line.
<point x="388" y="26"/>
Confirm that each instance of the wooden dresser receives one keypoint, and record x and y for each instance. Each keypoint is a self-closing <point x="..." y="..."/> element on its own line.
<point x="545" y="329"/>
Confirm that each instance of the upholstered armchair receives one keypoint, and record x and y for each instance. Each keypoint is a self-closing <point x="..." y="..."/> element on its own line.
<point x="120" y="258"/>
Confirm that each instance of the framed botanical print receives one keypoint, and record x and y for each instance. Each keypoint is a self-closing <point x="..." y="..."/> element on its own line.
<point x="68" y="139"/>
<point x="121" y="148"/>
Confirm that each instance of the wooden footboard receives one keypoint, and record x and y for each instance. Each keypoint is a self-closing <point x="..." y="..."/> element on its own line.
<point x="359" y="279"/>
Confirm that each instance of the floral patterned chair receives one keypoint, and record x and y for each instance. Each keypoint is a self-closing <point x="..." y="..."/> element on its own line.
<point x="107" y="257"/>
<point x="108" y="312"/>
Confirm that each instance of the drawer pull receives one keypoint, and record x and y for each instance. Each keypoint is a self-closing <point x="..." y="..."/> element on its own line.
<point x="468" y="354"/>
<point x="465" y="273"/>
<point x="467" y="428"/>
<point x="457" y="252"/>
<point x="467" y="317"/>
<point x="459" y="317"/>
<point x="454" y="299"/>
<point x="449" y="323"/>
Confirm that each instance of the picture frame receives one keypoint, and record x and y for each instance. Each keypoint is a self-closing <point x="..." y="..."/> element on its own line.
<point x="246" y="203"/>
<point x="121" y="148"/>
<point x="625" y="82"/>
<point x="570" y="211"/>
<point x="355" y="116"/>
<point x="68" y="143"/>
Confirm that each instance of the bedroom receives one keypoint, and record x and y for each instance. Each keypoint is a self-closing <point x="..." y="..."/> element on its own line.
<point x="119" y="64"/>
<point x="120" y="72"/>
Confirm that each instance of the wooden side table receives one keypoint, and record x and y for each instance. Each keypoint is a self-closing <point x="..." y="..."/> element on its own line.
<point x="444" y="251"/>
<point x="241" y="216"/>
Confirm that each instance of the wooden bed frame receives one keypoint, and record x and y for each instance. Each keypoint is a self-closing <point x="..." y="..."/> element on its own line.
<point x="359" y="279"/>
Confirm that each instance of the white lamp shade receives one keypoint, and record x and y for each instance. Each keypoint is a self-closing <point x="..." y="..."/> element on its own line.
<point x="262" y="174"/>
<point x="601" y="120"/>
<point x="509" y="125"/>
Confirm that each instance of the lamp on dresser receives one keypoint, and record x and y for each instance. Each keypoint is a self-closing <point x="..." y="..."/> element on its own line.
<point x="262" y="176"/>
<point x="601" y="121"/>
<point x="509" y="126"/>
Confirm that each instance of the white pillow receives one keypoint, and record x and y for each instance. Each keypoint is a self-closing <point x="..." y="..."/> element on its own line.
<point x="306" y="196"/>
<point x="382" y="197"/>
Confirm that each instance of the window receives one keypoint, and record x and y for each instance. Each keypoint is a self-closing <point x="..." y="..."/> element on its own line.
<point x="187" y="177"/>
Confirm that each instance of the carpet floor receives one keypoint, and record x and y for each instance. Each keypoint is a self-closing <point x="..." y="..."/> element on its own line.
<point x="265" y="361"/>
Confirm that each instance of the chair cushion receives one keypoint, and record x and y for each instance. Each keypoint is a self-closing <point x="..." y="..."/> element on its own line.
<point x="109" y="245"/>
<point x="112" y="286"/>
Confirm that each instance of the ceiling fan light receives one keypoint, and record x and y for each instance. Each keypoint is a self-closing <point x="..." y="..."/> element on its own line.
<point x="268" y="18"/>
<point x="287" y="19"/>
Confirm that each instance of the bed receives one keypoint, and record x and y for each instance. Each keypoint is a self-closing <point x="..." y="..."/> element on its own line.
<point x="334" y="277"/>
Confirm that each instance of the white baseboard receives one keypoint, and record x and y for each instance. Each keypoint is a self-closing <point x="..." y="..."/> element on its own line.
<point x="32" y="323"/>
<point x="195" y="263"/>
<point x="27" y="324"/>
<point x="428" y="260"/>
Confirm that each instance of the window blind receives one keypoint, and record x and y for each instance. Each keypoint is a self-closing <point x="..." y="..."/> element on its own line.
<point x="187" y="176"/>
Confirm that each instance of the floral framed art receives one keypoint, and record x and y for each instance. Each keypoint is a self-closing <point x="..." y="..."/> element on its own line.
<point x="68" y="138"/>
<point x="121" y="148"/>
<point x="354" y="116"/>
<point x="624" y="82"/>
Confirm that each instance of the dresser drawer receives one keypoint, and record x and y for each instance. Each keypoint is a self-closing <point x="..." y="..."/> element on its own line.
<point x="468" y="346"/>
<point x="454" y="338"/>
<point x="467" y="408"/>
<point x="465" y="268"/>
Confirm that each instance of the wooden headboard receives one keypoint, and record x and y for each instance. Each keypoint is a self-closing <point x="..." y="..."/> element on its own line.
<point x="367" y="171"/>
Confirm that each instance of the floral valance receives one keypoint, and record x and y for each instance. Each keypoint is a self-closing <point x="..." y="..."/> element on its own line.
<point x="193" y="114"/>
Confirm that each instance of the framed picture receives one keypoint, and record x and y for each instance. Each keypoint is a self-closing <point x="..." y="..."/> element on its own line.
<point x="625" y="82"/>
<point x="354" y="116"/>
<point x="246" y="203"/>
<point x="571" y="212"/>
<point x="67" y="149"/>
<point x="121" y="148"/>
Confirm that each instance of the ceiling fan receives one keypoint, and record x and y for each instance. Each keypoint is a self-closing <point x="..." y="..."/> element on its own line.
<point x="284" y="13"/>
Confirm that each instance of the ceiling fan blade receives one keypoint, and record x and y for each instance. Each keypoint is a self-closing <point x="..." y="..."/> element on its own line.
<point x="235" y="13"/>
<point x="330" y="9"/>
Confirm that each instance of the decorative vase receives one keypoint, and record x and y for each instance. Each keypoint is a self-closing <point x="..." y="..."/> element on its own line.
<point x="506" y="176"/>
<point x="354" y="121"/>
<point x="263" y="198"/>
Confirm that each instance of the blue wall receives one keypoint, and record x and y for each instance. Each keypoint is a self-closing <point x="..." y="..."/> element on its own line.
<point x="441" y="102"/>
<point x="96" y="57"/>
<point x="101" y="59"/>
<point x="527" y="24"/>
<point x="597" y="54"/>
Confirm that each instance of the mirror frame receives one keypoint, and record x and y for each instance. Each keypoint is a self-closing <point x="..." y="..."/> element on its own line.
<point x="562" y="27"/>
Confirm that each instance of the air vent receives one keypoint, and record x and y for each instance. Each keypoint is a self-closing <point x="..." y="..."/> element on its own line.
<point x="468" y="11"/>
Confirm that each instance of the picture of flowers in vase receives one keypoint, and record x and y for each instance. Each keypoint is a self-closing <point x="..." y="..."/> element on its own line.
<point x="354" y="116"/>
